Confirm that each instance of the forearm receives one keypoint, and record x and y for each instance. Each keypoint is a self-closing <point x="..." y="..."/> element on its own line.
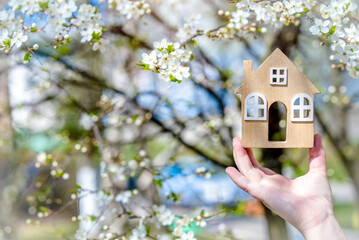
<point x="327" y="230"/>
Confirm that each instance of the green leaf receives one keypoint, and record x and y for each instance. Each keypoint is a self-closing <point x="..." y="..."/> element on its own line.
<point x="93" y="218"/>
<point x="306" y="10"/>
<point x="43" y="209"/>
<point x="148" y="229"/>
<point x="78" y="186"/>
<point x="169" y="48"/>
<point x="7" y="43"/>
<point x="332" y="30"/>
<point x="173" y="79"/>
<point x="33" y="29"/>
<point x="191" y="57"/>
<point x="158" y="182"/>
<point x="27" y="57"/>
<point x="44" y="5"/>
<point x="194" y="43"/>
<point x="144" y="66"/>
<point x="174" y="197"/>
<point x="96" y="36"/>
<point x="108" y="193"/>
<point x="347" y="5"/>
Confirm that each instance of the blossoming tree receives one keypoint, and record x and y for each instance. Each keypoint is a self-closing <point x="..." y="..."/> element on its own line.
<point x="120" y="68"/>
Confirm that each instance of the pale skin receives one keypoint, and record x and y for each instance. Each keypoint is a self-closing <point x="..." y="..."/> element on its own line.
<point x="305" y="202"/>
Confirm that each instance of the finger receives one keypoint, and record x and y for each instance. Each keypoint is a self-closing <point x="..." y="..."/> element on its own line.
<point x="242" y="182"/>
<point x="317" y="158"/>
<point x="241" y="157"/>
<point x="256" y="164"/>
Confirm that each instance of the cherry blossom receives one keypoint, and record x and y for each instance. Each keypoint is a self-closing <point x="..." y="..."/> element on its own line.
<point x="169" y="60"/>
<point x="320" y="26"/>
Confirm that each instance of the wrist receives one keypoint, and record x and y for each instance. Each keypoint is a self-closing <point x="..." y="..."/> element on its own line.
<point x="328" y="229"/>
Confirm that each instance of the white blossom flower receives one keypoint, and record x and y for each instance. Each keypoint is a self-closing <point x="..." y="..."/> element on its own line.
<point x="18" y="38"/>
<point x="189" y="28"/>
<point x="187" y="236"/>
<point x="66" y="9"/>
<point x="123" y="197"/>
<point x="130" y="8"/>
<point x="183" y="222"/>
<point x="320" y="26"/>
<point x="352" y="33"/>
<point x="150" y="59"/>
<point x="139" y="233"/>
<point x="100" y="44"/>
<point x="177" y="231"/>
<point x="168" y="60"/>
<point x="163" y="215"/>
<point x="341" y="54"/>
<point x="80" y="234"/>
<point x="278" y="6"/>
<point x="86" y="121"/>
<point x="41" y="157"/>
<point x="294" y="6"/>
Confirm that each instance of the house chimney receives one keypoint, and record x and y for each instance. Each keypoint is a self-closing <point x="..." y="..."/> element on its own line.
<point x="247" y="65"/>
<point x="247" y="69"/>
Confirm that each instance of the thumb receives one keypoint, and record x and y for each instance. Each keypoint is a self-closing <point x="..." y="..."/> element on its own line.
<point x="317" y="158"/>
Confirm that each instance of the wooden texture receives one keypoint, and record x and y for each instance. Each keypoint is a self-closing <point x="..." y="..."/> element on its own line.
<point x="254" y="132"/>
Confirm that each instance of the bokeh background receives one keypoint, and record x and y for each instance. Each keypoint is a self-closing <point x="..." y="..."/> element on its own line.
<point x="65" y="113"/>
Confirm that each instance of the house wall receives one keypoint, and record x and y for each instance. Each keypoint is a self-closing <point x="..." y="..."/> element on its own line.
<point x="255" y="133"/>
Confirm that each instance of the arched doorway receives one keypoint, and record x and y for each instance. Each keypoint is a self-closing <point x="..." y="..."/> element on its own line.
<point x="277" y="124"/>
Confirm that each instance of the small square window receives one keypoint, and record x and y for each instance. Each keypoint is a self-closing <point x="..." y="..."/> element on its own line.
<point x="306" y="113"/>
<point x="296" y="113"/>
<point x="278" y="76"/>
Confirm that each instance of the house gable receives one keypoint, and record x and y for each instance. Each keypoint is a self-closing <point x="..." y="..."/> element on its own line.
<point x="260" y="76"/>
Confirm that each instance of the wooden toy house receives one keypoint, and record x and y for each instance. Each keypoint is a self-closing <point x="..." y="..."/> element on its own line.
<point x="276" y="80"/>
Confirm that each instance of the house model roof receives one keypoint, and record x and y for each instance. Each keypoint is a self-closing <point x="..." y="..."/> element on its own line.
<point x="276" y="59"/>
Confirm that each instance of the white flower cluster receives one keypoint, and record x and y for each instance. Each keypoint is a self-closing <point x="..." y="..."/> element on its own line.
<point x="338" y="11"/>
<point x="163" y="215"/>
<point x="249" y="15"/>
<point x="343" y="34"/>
<point x="189" y="28"/>
<point x="178" y="231"/>
<point x="139" y="233"/>
<point x="333" y="23"/>
<point x="123" y="197"/>
<point x="131" y="9"/>
<point x="57" y="17"/>
<point x="11" y="31"/>
<point x="87" y="20"/>
<point x="169" y="60"/>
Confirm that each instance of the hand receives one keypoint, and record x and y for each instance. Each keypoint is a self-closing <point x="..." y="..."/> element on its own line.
<point x="305" y="202"/>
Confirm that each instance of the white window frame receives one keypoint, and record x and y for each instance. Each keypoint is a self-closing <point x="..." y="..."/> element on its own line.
<point x="278" y="75"/>
<point x="256" y="106"/>
<point x="301" y="107"/>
